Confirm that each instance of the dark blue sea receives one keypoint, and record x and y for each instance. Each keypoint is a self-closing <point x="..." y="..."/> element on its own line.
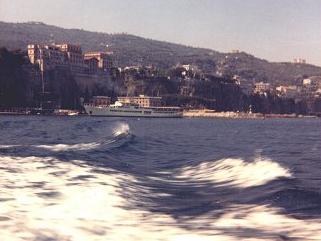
<point x="119" y="179"/>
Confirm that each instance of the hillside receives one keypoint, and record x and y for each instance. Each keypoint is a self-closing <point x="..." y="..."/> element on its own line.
<point x="134" y="50"/>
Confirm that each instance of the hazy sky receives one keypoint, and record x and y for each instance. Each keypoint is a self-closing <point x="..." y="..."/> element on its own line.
<point x="277" y="30"/>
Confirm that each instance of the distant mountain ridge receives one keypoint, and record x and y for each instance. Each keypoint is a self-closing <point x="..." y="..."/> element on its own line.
<point x="133" y="50"/>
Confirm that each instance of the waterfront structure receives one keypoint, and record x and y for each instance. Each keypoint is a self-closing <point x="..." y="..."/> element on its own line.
<point x="141" y="100"/>
<point x="103" y="58"/>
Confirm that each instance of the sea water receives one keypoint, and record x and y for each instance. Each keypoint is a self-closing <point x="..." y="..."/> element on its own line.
<point x="86" y="178"/>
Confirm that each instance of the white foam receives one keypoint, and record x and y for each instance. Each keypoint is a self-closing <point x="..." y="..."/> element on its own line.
<point x="236" y="172"/>
<point x="268" y="223"/>
<point x="121" y="129"/>
<point x="7" y="146"/>
<point x="66" y="147"/>
<point x="95" y="209"/>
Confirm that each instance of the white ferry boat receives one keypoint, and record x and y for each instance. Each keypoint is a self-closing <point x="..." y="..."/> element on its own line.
<point x="132" y="110"/>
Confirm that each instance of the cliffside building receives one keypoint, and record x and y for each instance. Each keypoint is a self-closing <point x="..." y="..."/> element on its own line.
<point x="91" y="66"/>
<point x="103" y="58"/>
<point x="261" y="88"/>
<point x="74" y="55"/>
<point x="290" y="91"/>
<point x="47" y="56"/>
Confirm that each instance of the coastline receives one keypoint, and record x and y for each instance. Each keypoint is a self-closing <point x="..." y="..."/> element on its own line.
<point x="239" y="115"/>
<point x="196" y="113"/>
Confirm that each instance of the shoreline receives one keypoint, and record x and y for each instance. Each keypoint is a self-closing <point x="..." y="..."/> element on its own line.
<point x="240" y="115"/>
<point x="203" y="113"/>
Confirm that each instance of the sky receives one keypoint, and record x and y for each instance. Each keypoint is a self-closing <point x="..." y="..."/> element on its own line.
<point x="276" y="30"/>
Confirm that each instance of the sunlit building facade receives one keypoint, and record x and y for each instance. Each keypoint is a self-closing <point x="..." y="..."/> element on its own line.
<point x="141" y="100"/>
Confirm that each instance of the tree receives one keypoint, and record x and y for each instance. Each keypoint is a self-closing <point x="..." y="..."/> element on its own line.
<point x="13" y="79"/>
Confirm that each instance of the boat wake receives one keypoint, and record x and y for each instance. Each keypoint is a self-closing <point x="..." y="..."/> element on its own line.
<point x="119" y="132"/>
<point x="55" y="200"/>
<point x="66" y="147"/>
<point x="236" y="172"/>
<point x="8" y="146"/>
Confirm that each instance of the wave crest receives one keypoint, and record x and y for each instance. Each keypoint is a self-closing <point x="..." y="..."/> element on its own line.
<point x="121" y="129"/>
<point x="7" y="146"/>
<point x="68" y="147"/>
<point x="236" y="172"/>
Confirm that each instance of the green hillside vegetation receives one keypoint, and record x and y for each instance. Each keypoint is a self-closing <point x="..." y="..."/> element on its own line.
<point x="132" y="50"/>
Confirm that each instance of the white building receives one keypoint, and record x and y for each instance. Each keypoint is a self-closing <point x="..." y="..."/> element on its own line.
<point x="307" y="81"/>
<point x="290" y="91"/>
<point x="261" y="87"/>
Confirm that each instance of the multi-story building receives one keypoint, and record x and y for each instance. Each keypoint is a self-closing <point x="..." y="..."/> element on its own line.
<point x="74" y="55"/>
<point x="141" y="100"/>
<point x="51" y="56"/>
<point x="91" y="65"/>
<point x="306" y="82"/>
<point x="33" y="53"/>
<point x="46" y="56"/>
<point x="299" y="61"/>
<point x="261" y="88"/>
<point x="187" y="90"/>
<point x="311" y="87"/>
<point x="101" y="100"/>
<point x="245" y="85"/>
<point x="104" y="59"/>
<point x="289" y="91"/>
<point x="187" y="67"/>
<point x="314" y="81"/>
